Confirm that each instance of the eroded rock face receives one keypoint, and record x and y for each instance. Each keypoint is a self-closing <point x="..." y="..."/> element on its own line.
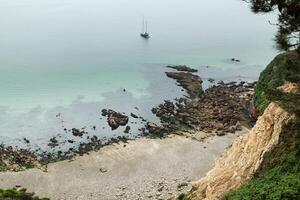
<point x="238" y="163"/>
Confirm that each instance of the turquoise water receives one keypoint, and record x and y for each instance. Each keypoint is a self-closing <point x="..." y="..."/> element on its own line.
<point x="75" y="57"/>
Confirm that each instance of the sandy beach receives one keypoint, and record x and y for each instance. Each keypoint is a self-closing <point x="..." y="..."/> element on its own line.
<point x="140" y="169"/>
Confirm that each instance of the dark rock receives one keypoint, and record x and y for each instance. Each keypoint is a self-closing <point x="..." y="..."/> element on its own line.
<point x="115" y="119"/>
<point x="104" y="112"/>
<point x="53" y="140"/>
<point x="192" y="83"/>
<point x="26" y="140"/>
<point x="76" y="132"/>
<point x="211" y="80"/>
<point x="235" y="60"/>
<point x="127" y="129"/>
<point x="94" y="139"/>
<point x="133" y="115"/>
<point x="183" y="68"/>
<point x="103" y="170"/>
<point x="181" y="185"/>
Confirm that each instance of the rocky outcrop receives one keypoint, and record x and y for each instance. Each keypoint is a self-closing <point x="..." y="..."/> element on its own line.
<point x="190" y="82"/>
<point x="222" y="108"/>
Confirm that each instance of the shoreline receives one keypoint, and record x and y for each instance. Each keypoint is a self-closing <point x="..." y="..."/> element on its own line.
<point x="143" y="169"/>
<point x="221" y="109"/>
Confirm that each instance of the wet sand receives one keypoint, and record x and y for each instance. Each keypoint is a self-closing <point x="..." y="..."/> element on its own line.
<point x="141" y="169"/>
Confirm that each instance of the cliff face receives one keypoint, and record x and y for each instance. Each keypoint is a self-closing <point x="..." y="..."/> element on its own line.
<point x="269" y="142"/>
<point x="239" y="163"/>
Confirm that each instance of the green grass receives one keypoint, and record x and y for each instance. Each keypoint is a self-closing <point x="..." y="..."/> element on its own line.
<point x="18" y="194"/>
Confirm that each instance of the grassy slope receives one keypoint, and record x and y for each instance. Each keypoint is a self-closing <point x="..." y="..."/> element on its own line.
<point x="279" y="176"/>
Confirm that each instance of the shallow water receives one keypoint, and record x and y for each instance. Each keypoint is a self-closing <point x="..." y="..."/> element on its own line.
<point x="74" y="57"/>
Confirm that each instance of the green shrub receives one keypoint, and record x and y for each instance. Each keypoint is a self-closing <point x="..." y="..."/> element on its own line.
<point x="285" y="67"/>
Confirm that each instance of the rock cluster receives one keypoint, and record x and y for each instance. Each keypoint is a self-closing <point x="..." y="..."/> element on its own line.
<point x="115" y="119"/>
<point x="17" y="159"/>
<point x="220" y="109"/>
<point x="156" y="130"/>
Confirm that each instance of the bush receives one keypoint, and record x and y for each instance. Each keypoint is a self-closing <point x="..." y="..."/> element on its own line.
<point x="285" y="67"/>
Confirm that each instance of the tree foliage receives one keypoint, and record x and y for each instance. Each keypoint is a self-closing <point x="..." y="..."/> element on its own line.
<point x="288" y="35"/>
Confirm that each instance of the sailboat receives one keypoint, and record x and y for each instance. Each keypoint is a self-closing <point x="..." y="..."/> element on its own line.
<point x="145" y="33"/>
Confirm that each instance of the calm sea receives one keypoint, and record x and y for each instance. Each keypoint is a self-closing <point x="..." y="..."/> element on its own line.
<point x="62" y="61"/>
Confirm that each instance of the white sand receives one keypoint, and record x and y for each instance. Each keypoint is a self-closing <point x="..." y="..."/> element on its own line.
<point x="144" y="169"/>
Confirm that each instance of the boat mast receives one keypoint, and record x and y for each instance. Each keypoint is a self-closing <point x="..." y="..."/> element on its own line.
<point x="146" y="26"/>
<point x="143" y="25"/>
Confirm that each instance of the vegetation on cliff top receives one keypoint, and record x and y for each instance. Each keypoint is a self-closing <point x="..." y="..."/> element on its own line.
<point x="285" y="67"/>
